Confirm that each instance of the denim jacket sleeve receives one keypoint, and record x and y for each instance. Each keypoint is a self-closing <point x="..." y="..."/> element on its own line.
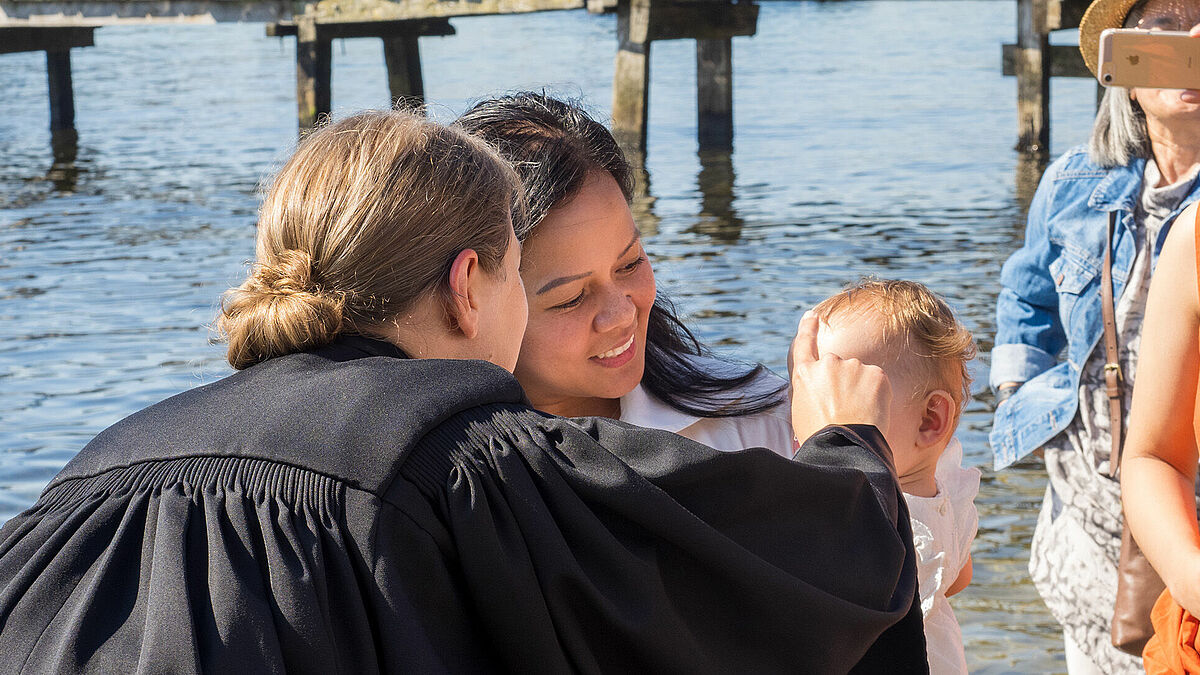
<point x="1029" y="331"/>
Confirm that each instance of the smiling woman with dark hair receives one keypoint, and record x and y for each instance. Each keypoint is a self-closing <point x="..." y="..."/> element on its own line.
<point x="601" y="340"/>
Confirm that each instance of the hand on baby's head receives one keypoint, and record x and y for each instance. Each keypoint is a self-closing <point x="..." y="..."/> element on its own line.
<point x="827" y="389"/>
<point x="912" y="335"/>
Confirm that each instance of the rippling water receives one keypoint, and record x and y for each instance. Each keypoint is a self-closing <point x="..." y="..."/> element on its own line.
<point x="871" y="138"/>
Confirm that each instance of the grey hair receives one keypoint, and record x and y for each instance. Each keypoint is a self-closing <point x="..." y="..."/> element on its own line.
<point x="1119" y="134"/>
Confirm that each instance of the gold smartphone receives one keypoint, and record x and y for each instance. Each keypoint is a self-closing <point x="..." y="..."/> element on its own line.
<point x="1156" y="59"/>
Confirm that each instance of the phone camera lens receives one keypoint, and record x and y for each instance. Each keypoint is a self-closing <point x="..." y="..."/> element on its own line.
<point x="1108" y="77"/>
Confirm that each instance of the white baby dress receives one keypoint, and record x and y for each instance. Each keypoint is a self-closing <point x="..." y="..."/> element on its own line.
<point x="943" y="528"/>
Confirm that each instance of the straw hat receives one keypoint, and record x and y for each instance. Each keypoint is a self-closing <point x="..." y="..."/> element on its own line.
<point x="1100" y="15"/>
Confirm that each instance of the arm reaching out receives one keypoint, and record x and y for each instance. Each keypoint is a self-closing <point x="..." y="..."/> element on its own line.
<point x="1159" y="466"/>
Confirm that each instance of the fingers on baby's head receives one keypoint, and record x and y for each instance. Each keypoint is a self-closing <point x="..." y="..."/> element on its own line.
<point x="916" y="329"/>
<point x="804" y="346"/>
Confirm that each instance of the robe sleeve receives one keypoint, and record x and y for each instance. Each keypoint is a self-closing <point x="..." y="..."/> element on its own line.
<point x="594" y="546"/>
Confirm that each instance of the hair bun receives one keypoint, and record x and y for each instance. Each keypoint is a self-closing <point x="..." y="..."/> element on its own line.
<point x="291" y="274"/>
<point x="279" y="310"/>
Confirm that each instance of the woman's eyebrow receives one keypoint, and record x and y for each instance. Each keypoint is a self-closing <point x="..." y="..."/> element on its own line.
<point x="576" y="277"/>
<point x="560" y="281"/>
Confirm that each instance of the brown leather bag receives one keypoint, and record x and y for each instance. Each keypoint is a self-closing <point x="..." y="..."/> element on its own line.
<point x="1138" y="585"/>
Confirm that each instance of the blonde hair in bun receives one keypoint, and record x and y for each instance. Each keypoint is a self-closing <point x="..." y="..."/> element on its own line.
<point x="365" y="218"/>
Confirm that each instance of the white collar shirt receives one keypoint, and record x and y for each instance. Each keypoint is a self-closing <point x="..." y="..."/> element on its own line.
<point x="770" y="429"/>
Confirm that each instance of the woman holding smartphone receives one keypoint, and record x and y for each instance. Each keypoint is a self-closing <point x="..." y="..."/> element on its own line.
<point x="1048" y="364"/>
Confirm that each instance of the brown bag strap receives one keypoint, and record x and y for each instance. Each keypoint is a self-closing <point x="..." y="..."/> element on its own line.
<point x="1112" y="365"/>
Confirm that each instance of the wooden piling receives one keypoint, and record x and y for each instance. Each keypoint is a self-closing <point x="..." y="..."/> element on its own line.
<point x="57" y="42"/>
<point x="401" y="54"/>
<point x="714" y="94"/>
<point x="62" y="92"/>
<point x="403" y="59"/>
<point x="1033" y="78"/>
<point x="631" y="75"/>
<point x="313" y="67"/>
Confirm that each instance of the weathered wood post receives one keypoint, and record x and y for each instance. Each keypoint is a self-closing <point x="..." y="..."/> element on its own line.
<point x="712" y="24"/>
<point x="714" y="93"/>
<point x="401" y="55"/>
<point x="1033" y="78"/>
<point x="403" y="58"/>
<point x="1033" y="60"/>
<point x="62" y="99"/>
<point x="631" y="75"/>
<point x="313" y="67"/>
<point x="57" y="42"/>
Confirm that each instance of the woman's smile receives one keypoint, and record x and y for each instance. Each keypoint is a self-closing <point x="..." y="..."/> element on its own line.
<point x="615" y="358"/>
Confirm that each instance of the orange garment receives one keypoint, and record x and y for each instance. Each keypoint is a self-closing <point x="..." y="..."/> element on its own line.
<point x="1196" y="404"/>
<point x="1173" y="648"/>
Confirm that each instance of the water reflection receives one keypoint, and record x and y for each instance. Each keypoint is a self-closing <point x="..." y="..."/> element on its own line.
<point x="718" y="217"/>
<point x="642" y="204"/>
<point x="1030" y="168"/>
<point x="64" y="146"/>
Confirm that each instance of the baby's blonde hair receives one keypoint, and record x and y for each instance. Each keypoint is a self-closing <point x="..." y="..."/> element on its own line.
<point x="918" y="329"/>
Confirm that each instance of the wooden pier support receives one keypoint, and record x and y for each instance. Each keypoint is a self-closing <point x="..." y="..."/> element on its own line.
<point x="314" y="59"/>
<point x="714" y="94"/>
<point x="403" y="59"/>
<point x="713" y="24"/>
<point x="314" y="68"/>
<point x="631" y="75"/>
<point x="1033" y="78"/>
<point x="62" y="93"/>
<point x="57" y="42"/>
<point x="1033" y="60"/>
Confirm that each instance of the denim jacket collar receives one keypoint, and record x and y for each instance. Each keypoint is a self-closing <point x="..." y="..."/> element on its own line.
<point x="1120" y="187"/>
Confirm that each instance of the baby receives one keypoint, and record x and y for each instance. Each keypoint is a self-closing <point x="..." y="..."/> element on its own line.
<point x="909" y="332"/>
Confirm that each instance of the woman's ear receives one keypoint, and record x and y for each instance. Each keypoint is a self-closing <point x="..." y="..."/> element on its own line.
<point x="462" y="305"/>
<point x="938" y="419"/>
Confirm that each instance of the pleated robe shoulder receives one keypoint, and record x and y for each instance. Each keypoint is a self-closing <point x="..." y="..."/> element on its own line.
<point x="350" y="510"/>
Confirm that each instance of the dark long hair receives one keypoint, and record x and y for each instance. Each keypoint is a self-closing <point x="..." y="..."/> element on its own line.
<point x="553" y="145"/>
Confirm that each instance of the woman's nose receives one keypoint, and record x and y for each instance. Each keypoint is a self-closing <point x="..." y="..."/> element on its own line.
<point x="617" y="312"/>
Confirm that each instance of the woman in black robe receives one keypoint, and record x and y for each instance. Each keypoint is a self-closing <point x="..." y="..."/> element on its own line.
<point x="372" y="492"/>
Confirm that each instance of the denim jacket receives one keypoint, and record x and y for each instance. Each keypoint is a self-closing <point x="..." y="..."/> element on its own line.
<point x="1048" y="317"/>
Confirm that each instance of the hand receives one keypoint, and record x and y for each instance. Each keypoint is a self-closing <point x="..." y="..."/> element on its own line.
<point x="1191" y="95"/>
<point x="827" y="389"/>
<point x="1005" y="391"/>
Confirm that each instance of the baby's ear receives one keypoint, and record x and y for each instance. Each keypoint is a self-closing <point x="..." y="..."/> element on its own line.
<point x="938" y="419"/>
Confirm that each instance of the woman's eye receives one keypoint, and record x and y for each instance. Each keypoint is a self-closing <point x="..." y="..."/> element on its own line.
<point x="634" y="265"/>
<point x="573" y="302"/>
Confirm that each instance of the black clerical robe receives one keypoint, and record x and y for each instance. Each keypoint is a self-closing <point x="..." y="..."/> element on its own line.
<point x="350" y="510"/>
